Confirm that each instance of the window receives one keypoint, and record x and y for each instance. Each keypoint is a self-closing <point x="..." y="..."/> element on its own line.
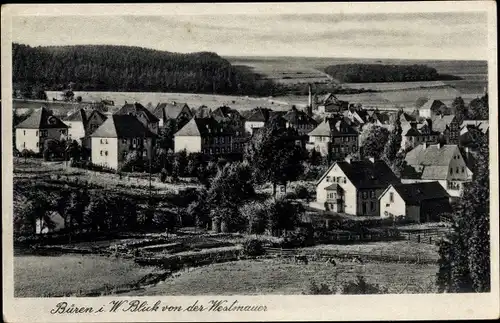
<point x="133" y="141"/>
<point x="24" y="133"/>
<point x="328" y="178"/>
<point x="222" y="140"/>
<point x="37" y="143"/>
<point x="338" y="179"/>
<point x="345" y="180"/>
<point x="372" y="206"/>
<point x="216" y="140"/>
<point x="334" y="179"/>
<point x="372" y="194"/>
<point x="391" y="197"/>
<point x="451" y="170"/>
<point x="101" y="152"/>
<point x="365" y="195"/>
<point x="457" y="170"/>
<point x="36" y="134"/>
<point x="463" y="170"/>
<point x="105" y="152"/>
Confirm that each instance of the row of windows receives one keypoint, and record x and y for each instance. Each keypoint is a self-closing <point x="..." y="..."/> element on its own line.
<point x="344" y="149"/>
<point x="332" y="195"/>
<point x="104" y="152"/>
<point x="453" y="186"/>
<point x="457" y="170"/>
<point x="222" y="150"/>
<point x="338" y="179"/>
<point x="364" y="194"/>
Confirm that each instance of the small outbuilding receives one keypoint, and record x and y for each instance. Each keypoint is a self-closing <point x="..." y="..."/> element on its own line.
<point x="417" y="202"/>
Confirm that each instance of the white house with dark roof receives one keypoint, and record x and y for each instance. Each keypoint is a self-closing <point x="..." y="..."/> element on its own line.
<point x="431" y="108"/>
<point x="82" y="123"/>
<point x="142" y="114"/>
<point x="40" y="126"/>
<point x="353" y="187"/>
<point x="257" y="119"/>
<point x="417" y="202"/>
<point x="177" y="111"/>
<point x="334" y="136"/>
<point x="442" y="163"/>
<point x="116" y="137"/>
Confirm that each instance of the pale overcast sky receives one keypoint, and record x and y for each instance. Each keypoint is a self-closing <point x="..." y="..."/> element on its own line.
<point x="453" y="35"/>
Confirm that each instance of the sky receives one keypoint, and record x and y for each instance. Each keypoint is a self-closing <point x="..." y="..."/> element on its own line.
<point x="445" y="35"/>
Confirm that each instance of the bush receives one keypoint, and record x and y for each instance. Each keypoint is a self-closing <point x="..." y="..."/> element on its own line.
<point x="291" y="196"/>
<point x="360" y="286"/>
<point x="253" y="247"/>
<point x="315" y="289"/>
<point x="302" y="192"/>
<point x="302" y="237"/>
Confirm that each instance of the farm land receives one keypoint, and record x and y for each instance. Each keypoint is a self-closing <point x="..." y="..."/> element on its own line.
<point x="123" y="263"/>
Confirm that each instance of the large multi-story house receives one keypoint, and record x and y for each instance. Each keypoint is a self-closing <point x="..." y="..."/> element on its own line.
<point x="117" y="137"/>
<point x="142" y="114"/>
<point x="334" y="137"/>
<point x="40" y="126"/>
<point x="442" y="163"/>
<point x="207" y="136"/>
<point x="448" y="126"/>
<point x="353" y="187"/>
<point x="176" y="111"/>
<point x="300" y="121"/>
<point x="329" y="103"/>
<point x="82" y="123"/>
<point x="414" y="133"/>
<point x="256" y="119"/>
<point x="417" y="202"/>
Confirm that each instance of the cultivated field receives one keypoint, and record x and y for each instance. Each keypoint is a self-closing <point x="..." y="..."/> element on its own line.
<point x="73" y="275"/>
<point x="278" y="277"/>
<point x="193" y="100"/>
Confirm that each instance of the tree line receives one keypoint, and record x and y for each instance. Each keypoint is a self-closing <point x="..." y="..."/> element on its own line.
<point x="371" y="73"/>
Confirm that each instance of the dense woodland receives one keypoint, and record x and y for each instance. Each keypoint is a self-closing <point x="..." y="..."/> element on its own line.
<point x="135" y="69"/>
<point x="370" y="73"/>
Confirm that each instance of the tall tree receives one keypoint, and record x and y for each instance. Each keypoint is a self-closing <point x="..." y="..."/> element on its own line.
<point x="459" y="109"/>
<point x="465" y="253"/>
<point x="274" y="156"/>
<point x="373" y="139"/>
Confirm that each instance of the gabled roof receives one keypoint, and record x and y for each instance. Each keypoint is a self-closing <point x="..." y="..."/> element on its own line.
<point x="225" y="113"/>
<point x="440" y="123"/>
<point x="433" y="105"/>
<point x="202" y="127"/>
<point x="134" y="108"/>
<point x="415" y="193"/>
<point x="483" y="125"/>
<point x="171" y="110"/>
<point x="405" y="117"/>
<point x="365" y="174"/>
<point x="79" y="115"/>
<point x="202" y="112"/>
<point x="295" y="116"/>
<point x="41" y="119"/>
<point x="122" y="126"/>
<point x="259" y="114"/>
<point x="432" y="155"/>
<point x="332" y="127"/>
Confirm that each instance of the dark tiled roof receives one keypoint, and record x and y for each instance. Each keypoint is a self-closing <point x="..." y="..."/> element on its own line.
<point x="134" y="108"/>
<point x="366" y="174"/>
<point x="203" y="127"/>
<point x="171" y="110"/>
<point x="225" y="113"/>
<point x="333" y="127"/>
<point x="295" y="116"/>
<point x="429" y="163"/>
<point x="415" y="193"/>
<point x="433" y="105"/>
<point x="259" y="114"/>
<point x="42" y="119"/>
<point x="122" y="126"/>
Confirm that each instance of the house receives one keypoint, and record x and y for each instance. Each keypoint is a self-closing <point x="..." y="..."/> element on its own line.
<point x="82" y="123"/>
<point x="334" y="137"/>
<point x="414" y="133"/>
<point x="358" y="116"/>
<point x="299" y="120"/>
<point x="142" y="114"/>
<point x="177" y="111"/>
<point x="448" y="127"/>
<point x="329" y="103"/>
<point x="257" y="119"/>
<point x="407" y="118"/>
<point x="353" y="187"/>
<point x="202" y="112"/>
<point x="432" y="108"/>
<point x="40" y="126"/>
<point x="56" y="223"/>
<point x="117" y="137"/>
<point x="378" y="118"/>
<point x="417" y="202"/>
<point x="483" y="125"/>
<point x="442" y="163"/>
<point x="207" y="136"/>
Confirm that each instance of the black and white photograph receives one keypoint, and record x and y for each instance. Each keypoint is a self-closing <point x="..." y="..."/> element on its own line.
<point x="233" y="152"/>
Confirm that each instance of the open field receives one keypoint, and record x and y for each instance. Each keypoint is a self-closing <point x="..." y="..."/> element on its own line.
<point x="397" y="248"/>
<point x="193" y="100"/>
<point x="72" y="275"/>
<point x="274" y="276"/>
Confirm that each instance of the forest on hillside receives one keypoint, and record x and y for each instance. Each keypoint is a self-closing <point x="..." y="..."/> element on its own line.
<point x="371" y="73"/>
<point x="136" y="69"/>
<point x="126" y="68"/>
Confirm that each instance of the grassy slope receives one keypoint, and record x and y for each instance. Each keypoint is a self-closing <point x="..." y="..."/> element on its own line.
<point x="254" y="277"/>
<point x="38" y="276"/>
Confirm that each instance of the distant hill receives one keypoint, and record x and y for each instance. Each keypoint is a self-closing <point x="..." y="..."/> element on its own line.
<point x="126" y="68"/>
<point x="372" y="73"/>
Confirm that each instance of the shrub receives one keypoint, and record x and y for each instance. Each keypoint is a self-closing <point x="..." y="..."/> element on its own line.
<point x="256" y="215"/>
<point x="253" y="247"/>
<point x="360" y="286"/>
<point x="315" y="289"/>
<point x="302" y="192"/>
<point x="291" y="196"/>
<point x="302" y="237"/>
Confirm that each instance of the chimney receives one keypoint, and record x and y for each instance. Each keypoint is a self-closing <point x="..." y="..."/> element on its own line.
<point x="309" y="104"/>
